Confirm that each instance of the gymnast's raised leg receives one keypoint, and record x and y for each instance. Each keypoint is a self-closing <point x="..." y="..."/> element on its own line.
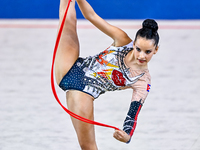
<point x="77" y="102"/>
<point x="68" y="49"/>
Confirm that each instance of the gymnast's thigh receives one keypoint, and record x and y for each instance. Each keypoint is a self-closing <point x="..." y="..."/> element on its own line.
<point x="82" y="104"/>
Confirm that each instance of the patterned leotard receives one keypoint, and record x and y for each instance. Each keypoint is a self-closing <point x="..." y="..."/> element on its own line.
<point x="103" y="72"/>
<point x="107" y="72"/>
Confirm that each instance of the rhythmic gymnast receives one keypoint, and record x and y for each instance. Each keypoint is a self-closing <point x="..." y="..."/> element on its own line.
<point x="122" y="65"/>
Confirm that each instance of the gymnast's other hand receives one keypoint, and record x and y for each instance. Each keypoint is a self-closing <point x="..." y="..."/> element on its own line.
<point x="121" y="136"/>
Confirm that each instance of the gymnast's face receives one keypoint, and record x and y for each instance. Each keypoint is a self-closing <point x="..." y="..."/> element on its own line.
<point x="144" y="49"/>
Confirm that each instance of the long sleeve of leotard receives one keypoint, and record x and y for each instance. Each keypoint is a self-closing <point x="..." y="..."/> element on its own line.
<point x="131" y="118"/>
<point x="140" y="91"/>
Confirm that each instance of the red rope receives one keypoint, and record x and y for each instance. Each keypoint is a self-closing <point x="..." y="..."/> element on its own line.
<point x="52" y="79"/>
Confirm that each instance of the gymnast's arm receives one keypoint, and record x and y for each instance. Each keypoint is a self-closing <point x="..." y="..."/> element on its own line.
<point x="119" y="36"/>
<point x="140" y="92"/>
<point x="129" y="123"/>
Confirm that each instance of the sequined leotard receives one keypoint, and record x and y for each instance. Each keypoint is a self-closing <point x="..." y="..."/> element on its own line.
<point x="107" y="72"/>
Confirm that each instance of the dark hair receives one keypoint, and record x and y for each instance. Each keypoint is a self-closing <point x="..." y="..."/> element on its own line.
<point x="149" y="31"/>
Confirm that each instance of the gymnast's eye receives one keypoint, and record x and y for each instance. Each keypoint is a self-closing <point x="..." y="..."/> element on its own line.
<point x="138" y="49"/>
<point x="148" y="51"/>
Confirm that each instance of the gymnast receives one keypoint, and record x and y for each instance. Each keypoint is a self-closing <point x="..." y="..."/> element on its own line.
<point x="123" y="65"/>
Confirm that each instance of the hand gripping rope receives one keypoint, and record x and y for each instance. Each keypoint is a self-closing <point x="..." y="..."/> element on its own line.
<point x="52" y="80"/>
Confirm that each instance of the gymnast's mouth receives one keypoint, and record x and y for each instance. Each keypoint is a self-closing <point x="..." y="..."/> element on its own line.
<point x="141" y="61"/>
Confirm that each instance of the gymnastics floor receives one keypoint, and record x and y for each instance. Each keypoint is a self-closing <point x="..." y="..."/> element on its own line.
<point x="31" y="119"/>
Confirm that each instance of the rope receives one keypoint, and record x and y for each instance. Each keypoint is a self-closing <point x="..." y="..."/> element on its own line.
<point x="52" y="79"/>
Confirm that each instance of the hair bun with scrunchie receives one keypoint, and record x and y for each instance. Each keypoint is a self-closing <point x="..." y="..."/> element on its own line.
<point x="150" y="24"/>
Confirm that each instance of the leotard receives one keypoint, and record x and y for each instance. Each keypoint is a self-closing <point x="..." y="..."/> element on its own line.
<point x="107" y="71"/>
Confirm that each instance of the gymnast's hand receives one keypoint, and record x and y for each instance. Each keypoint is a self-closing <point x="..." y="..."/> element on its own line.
<point x="121" y="136"/>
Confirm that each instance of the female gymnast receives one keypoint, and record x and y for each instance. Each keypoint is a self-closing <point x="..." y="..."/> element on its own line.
<point x="122" y="65"/>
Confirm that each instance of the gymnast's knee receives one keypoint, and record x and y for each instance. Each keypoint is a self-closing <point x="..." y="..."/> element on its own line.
<point x="88" y="146"/>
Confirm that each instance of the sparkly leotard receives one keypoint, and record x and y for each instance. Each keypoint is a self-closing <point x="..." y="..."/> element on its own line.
<point x="103" y="72"/>
<point x="107" y="72"/>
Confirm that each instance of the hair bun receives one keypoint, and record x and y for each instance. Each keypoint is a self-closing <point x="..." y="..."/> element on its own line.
<point x="150" y="24"/>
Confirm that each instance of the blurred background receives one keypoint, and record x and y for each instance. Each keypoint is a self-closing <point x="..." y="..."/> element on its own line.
<point x="108" y="9"/>
<point x="30" y="117"/>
